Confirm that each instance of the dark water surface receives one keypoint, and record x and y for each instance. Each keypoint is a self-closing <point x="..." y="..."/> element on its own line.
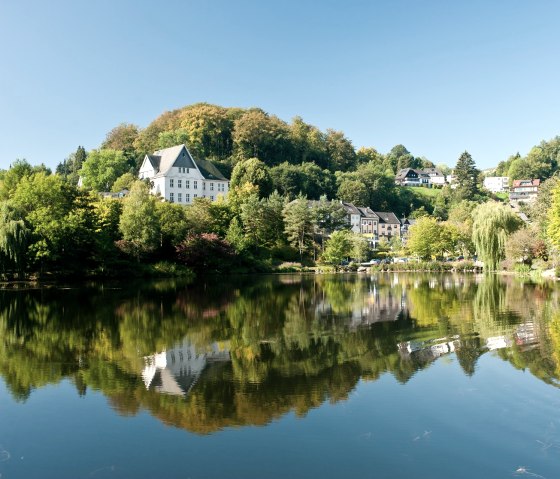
<point x="385" y="376"/>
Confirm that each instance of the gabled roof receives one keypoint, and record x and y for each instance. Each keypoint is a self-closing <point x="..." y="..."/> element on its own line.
<point x="433" y="172"/>
<point x="402" y="173"/>
<point x="387" y="217"/>
<point x="517" y="183"/>
<point x="350" y="208"/>
<point x="209" y="171"/>
<point x="366" y="212"/>
<point x="164" y="160"/>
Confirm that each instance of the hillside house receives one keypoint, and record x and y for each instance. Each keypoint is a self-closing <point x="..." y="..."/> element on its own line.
<point x="178" y="178"/>
<point x="437" y="178"/>
<point x="524" y="190"/>
<point x="496" y="184"/>
<point x="412" y="177"/>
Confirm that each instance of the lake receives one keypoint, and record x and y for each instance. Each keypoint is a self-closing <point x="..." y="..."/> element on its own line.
<point x="290" y="376"/>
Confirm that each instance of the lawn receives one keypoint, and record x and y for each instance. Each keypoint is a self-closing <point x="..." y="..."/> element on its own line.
<point x="429" y="192"/>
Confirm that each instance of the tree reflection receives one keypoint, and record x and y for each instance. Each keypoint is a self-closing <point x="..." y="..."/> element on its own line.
<point x="258" y="348"/>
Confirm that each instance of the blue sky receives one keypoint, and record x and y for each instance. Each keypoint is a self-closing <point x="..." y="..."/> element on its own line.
<point x="439" y="77"/>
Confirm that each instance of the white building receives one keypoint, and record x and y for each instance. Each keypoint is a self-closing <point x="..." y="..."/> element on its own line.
<point x="436" y="176"/>
<point x="497" y="184"/>
<point x="178" y="178"/>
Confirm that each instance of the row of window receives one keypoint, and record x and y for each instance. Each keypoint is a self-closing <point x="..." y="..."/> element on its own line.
<point x="221" y="186"/>
<point x="180" y="197"/>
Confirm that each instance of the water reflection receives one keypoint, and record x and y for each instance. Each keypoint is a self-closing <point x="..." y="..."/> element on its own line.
<point x="225" y="354"/>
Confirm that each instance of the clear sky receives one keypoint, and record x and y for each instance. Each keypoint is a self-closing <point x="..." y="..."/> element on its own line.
<point x="439" y="77"/>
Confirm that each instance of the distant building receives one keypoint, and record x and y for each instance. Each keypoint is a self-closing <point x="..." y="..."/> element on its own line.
<point x="117" y="195"/>
<point x="178" y="178"/>
<point x="496" y="184"/>
<point x="524" y="190"/>
<point x="436" y="176"/>
<point x="412" y="177"/>
<point x="353" y="216"/>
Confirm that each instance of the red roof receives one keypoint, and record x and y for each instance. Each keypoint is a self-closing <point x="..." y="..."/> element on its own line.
<point x="516" y="183"/>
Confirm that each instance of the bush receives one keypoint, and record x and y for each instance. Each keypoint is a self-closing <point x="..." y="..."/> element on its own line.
<point x="167" y="269"/>
<point x="523" y="269"/>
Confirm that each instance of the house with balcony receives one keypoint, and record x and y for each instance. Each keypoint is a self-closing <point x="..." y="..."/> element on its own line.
<point x="178" y="178"/>
<point x="496" y="184"/>
<point x="525" y="191"/>
<point x="377" y="225"/>
<point x="437" y="178"/>
<point x="412" y="177"/>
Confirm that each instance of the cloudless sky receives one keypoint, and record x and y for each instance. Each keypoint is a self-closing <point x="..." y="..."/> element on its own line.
<point x="439" y="77"/>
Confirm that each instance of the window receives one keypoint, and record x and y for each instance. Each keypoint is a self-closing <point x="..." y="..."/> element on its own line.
<point x="203" y="185"/>
<point x="179" y="183"/>
<point x="187" y="198"/>
<point x="212" y="198"/>
<point x="195" y="196"/>
<point x="211" y="186"/>
<point x="171" y="196"/>
<point x="171" y="183"/>
<point x="195" y="185"/>
<point x="187" y="184"/>
<point x="187" y="171"/>
<point x="179" y="197"/>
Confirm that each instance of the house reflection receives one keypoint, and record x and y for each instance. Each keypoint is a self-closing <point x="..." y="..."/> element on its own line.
<point x="175" y="371"/>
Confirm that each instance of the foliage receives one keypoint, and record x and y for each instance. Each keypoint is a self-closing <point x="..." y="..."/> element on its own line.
<point x="492" y="224"/>
<point x="102" y="168"/>
<point x="524" y="246"/>
<point x="427" y="238"/>
<point x="299" y="224"/>
<point x="206" y="253"/>
<point x="13" y="239"/>
<point x="338" y="247"/>
<point x="139" y="223"/>
<point x="466" y="175"/>
<point x="254" y="172"/>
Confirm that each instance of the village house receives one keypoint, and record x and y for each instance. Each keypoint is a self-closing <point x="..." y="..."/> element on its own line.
<point x="437" y="178"/>
<point x="374" y="225"/>
<point x="496" y="184"/>
<point x="524" y="190"/>
<point x="412" y="177"/>
<point x="178" y="178"/>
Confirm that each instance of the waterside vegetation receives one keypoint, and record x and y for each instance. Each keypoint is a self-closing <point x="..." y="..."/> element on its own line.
<point x="50" y="226"/>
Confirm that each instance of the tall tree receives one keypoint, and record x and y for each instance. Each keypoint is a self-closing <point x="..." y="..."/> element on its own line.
<point x="299" y="224"/>
<point x="466" y="174"/>
<point x="102" y="168"/>
<point x="13" y="238"/>
<point x="255" y="172"/>
<point x="139" y="223"/>
<point x="492" y="224"/>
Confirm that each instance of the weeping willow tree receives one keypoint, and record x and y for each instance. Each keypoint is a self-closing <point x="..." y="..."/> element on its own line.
<point x="13" y="239"/>
<point x="492" y="223"/>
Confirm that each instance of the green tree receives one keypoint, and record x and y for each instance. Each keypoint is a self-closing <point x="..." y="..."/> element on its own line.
<point x="492" y="224"/>
<point x="123" y="182"/>
<point x="122" y="138"/>
<point x="13" y="239"/>
<point x="257" y="134"/>
<point x="299" y="224"/>
<point x="341" y="153"/>
<point x="466" y="174"/>
<point x="353" y="191"/>
<point x="102" y="168"/>
<point x="339" y="247"/>
<point x="255" y="172"/>
<point x="139" y="223"/>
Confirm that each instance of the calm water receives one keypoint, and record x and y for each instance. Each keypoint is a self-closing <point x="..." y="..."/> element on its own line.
<point x="386" y="376"/>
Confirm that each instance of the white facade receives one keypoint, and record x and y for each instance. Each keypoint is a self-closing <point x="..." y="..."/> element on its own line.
<point x="178" y="178"/>
<point x="497" y="184"/>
